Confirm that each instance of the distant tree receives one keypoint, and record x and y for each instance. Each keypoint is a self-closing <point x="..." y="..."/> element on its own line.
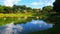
<point x="14" y="8"/>
<point x="29" y="9"/>
<point x="8" y="10"/>
<point x="1" y="9"/>
<point x="23" y="7"/>
<point x="47" y="8"/>
<point x="36" y="10"/>
<point x="19" y="8"/>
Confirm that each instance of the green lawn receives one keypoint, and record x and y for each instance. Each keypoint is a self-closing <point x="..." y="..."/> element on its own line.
<point x="16" y="15"/>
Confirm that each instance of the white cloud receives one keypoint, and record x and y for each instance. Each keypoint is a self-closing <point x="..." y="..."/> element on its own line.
<point x="10" y="2"/>
<point x="36" y="3"/>
<point x="43" y="2"/>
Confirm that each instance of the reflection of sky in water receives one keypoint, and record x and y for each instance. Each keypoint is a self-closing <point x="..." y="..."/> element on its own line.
<point x="33" y="26"/>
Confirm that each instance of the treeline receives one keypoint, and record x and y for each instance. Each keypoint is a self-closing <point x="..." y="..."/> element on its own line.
<point x="24" y="9"/>
<point x="17" y="9"/>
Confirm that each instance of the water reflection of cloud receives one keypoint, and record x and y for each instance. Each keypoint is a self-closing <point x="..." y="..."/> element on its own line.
<point x="11" y="28"/>
<point x="33" y="26"/>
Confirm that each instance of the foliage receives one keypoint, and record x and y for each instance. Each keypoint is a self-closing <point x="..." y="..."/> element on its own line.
<point x="47" y="13"/>
<point x="56" y="6"/>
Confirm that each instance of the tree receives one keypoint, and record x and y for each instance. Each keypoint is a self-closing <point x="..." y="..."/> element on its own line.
<point x="23" y="7"/>
<point x="14" y="8"/>
<point x="47" y="8"/>
<point x="1" y="9"/>
<point x="19" y="8"/>
<point x="7" y="9"/>
<point x="56" y="6"/>
<point x="29" y="9"/>
<point x="35" y="10"/>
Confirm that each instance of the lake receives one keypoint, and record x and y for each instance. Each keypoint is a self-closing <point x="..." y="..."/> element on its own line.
<point x="25" y="28"/>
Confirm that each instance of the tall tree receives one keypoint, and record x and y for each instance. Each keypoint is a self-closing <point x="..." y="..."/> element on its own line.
<point x="56" y="6"/>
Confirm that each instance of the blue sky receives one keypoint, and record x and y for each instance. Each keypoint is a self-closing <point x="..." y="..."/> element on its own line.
<point x="29" y="3"/>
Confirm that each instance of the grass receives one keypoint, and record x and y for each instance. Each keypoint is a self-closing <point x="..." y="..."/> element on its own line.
<point x="16" y="15"/>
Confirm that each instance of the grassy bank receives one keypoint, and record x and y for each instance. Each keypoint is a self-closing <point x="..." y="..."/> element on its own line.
<point x="20" y="17"/>
<point x="16" y="15"/>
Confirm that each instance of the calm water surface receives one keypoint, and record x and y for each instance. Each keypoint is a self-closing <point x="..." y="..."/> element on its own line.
<point x="33" y="26"/>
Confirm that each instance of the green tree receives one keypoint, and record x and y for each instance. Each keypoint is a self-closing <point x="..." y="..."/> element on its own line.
<point x="1" y="9"/>
<point x="8" y="10"/>
<point x="47" y="8"/>
<point x="19" y="8"/>
<point x="14" y="8"/>
<point x="23" y="7"/>
<point x="29" y="9"/>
